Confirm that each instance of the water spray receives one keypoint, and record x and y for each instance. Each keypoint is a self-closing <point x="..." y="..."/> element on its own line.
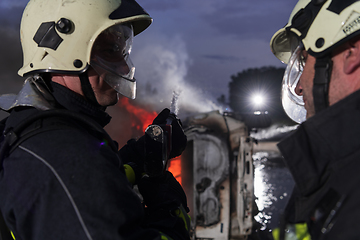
<point x="160" y="138"/>
<point x="174" y="106"/>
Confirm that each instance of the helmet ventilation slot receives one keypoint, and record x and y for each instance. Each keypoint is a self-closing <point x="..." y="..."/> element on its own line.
<point x="44" y="56"/>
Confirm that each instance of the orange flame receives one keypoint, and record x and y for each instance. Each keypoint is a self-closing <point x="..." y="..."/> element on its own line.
<point x="140" y="119"/>
<point x="144" y="117"/>
<point x="175" y="168"/>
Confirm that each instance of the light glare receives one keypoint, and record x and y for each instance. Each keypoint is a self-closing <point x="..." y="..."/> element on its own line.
<point x="258" y="100"/>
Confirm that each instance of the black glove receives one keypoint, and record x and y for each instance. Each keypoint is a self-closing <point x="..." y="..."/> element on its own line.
<point x="179" y="138"/>
<point x="133" y="153"/>
<point x="163" y="193"/>
<point x="166" y="205"/>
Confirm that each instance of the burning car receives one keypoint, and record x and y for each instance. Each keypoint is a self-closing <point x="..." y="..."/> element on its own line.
<point x="216" y="169"/>
<point x="216" y="172"/>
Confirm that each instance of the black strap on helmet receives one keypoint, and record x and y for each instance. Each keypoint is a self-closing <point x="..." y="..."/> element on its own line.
<point x="323" y="68"/>
<point x="87" y="89"/>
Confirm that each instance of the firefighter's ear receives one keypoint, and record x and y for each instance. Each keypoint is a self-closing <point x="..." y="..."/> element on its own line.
<point x="351" y="56"/>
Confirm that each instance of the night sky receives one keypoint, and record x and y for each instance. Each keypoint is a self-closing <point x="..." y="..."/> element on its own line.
<point x="193" y="46"/>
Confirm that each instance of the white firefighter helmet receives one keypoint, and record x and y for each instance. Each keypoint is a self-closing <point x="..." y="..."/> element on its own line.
<point x="318" y="26"/>
<point x="58" y="36"/>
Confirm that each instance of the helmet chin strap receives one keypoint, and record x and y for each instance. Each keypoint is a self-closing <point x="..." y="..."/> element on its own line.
<point x="323" y="68"/>
<point x="87" y="90"/>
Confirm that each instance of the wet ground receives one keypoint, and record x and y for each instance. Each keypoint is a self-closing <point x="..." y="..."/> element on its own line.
<point x="273" y="187"/>
<point x="273" y="181"/>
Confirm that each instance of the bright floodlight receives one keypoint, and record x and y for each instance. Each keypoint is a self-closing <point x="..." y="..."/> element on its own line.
<point x="258" y="100"/>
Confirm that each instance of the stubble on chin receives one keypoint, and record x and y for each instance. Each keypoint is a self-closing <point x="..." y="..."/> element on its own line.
<point x="310" y="110"/>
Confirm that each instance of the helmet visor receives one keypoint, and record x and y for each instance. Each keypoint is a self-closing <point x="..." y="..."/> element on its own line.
<point x="283" y="44"/>
<point x="293" y="103"/>
<point x="110" y="59"/>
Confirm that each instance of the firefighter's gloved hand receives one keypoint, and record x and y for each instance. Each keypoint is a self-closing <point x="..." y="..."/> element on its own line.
<point x="133" y="154"/>
<point x="178" y="137"/>
<point x="163" y="193"/>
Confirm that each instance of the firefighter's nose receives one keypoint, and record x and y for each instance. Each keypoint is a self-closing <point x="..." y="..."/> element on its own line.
<point x="298" y="89"/>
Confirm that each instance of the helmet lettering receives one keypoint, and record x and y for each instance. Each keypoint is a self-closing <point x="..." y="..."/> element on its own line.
<point x="352" y="26"/>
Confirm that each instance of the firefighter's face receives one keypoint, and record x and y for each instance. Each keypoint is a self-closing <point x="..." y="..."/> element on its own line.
<point x="111" y="61"/>
<point x="342" y="78"/>
<point x="305" y="84"/>
<point x="111" y="70"/>
<point x="104" y="93"/>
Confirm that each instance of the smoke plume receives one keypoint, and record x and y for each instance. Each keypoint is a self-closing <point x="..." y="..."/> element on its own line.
<point x="162" y="65"/>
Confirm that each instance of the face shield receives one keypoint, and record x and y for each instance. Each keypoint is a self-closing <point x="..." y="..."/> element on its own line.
<point x="293" y="104"/>
<point x="110" y="59"/>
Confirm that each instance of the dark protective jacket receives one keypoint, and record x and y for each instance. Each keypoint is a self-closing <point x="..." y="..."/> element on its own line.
<point x="323" y="156"/>
<point x="67" y="183"/>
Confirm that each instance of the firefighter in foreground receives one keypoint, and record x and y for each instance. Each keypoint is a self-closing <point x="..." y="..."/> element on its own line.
<point x="321" y="46"/>
<point x="61" y="176"/>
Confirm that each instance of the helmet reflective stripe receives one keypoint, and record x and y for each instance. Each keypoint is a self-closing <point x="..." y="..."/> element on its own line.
<point x="89" y="19"/>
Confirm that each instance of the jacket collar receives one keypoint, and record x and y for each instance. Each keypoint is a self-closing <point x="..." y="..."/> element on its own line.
<point x="74" y="102"/>
<point x="35" y="93"/>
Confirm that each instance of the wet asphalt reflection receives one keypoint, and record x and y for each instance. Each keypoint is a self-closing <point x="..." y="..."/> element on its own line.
<point x="273" y="185"/>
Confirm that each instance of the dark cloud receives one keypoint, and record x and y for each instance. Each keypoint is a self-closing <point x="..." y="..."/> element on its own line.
<point x="10" y="59"/>
<point x="260" y="19"/>
<point x="10" y="47"/>
<point x="10" y="62"/>
<point x="10" y="17"/>
<point x="222" y="58"/>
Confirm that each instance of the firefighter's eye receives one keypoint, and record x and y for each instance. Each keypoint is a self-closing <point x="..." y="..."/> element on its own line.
<point x="303" y="58"/>
<point x="113" y="51"/>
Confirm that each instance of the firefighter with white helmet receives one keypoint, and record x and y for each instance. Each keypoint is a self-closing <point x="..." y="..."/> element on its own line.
<point x="321" y="46"/>
<point x="62" y="41"/>
<point x="61" y="175"/>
